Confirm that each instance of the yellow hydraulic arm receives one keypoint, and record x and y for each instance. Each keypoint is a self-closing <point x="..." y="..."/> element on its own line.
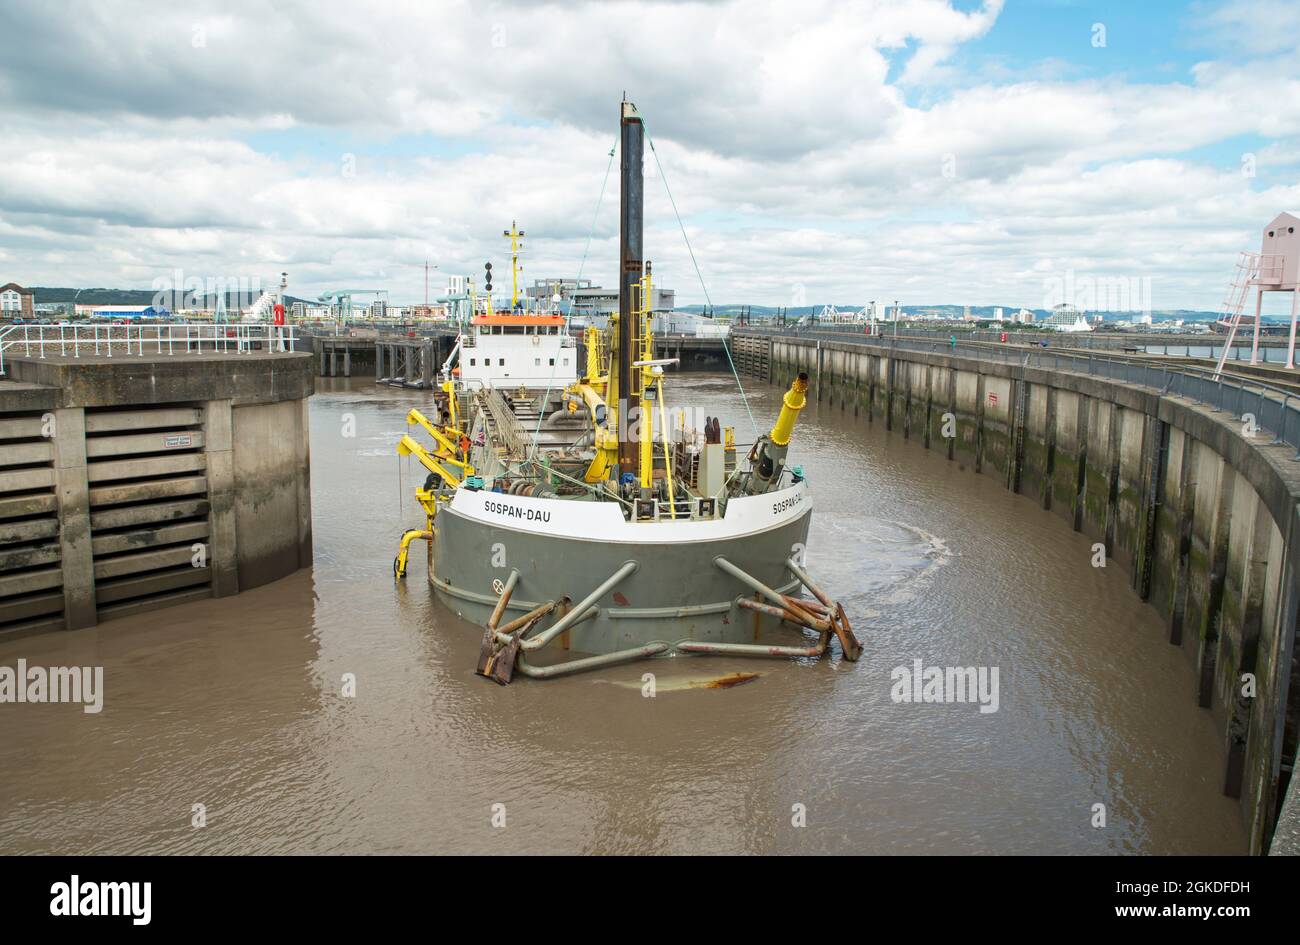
<point x="442" y="461"/>
<point x="605" y="441"/>
<point x="444" y="464"/>
<point x="430" y="461"/>
<point x="447" y="447"/>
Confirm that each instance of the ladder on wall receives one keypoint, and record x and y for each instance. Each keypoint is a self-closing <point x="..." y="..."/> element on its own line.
<point x="1246" y="273"/>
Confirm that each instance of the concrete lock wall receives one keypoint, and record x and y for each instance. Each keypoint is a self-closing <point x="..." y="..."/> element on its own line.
<point x="130" y="484"/>
<point x="1200" y="514"/>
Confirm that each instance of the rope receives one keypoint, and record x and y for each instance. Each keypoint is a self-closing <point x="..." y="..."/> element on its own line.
<point x="725" y="347"/>
<point x="541" y="414"/>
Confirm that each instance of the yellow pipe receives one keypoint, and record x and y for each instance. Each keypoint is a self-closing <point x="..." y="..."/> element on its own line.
<point x="668" y="456"/>
<point x="792" y="403"/>
<point x="646" y="353"/>
<point x="647" y="443"/>
<point x="413" y="534"/>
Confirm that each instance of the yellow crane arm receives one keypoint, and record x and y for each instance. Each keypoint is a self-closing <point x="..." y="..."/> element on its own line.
<point x="409" y="447"/>
<point x="447" y="449"/>
<point x="605" y="442"/>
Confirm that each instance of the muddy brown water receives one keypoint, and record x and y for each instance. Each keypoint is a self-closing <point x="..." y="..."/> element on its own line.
<point x="236" y="704"/>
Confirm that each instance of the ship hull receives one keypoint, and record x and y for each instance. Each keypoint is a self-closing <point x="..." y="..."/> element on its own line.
<point x="677" y="593"/>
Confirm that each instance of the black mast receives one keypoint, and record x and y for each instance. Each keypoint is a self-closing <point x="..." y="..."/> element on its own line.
<point x="631" y="219"/>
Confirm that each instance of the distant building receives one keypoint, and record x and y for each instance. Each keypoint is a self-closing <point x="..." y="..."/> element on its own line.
<point x="1023" y="317"/>
<point x="16" y="302"/>
<point x="301" y="310"/>
<point x="586" y="301"/>
<point x="548" y="293"/>
<point x="121" y="311"/>
<point x="997" y="314"/>
<point x="1066" y="317"/>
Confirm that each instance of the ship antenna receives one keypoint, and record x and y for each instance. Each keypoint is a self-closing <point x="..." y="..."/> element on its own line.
<point x="725" y="346"/>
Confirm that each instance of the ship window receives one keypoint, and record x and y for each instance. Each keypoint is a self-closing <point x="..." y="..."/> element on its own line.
<point x="501" y="362"/>
<point x="537" y="362"/>
<point x="566" y="362"/>
<point x="552" y="364"/>
<point x="471" y="362"/>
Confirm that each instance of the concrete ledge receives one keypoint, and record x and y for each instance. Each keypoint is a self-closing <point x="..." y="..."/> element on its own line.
<point x="106" y="470"/>
<point x="18" y="397"/>
<point x="252" y="378"/>
<point x="145" y="514"/>
<point x="131" y="608"/>
<point x="151" y="584"/>
<point x="29" y="581"/>
<point x="145" y="538"/>
<point x="30" y="530"/>
<point x="20" y="505"/>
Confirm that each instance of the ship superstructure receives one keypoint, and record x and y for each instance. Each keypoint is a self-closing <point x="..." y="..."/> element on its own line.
<point x="581" y="522"/>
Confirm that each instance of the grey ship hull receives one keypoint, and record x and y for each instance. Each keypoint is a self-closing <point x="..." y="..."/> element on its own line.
<point x="678" y="592"/>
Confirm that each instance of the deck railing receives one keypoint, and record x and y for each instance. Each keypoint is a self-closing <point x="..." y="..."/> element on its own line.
<point x="80" y="340"/>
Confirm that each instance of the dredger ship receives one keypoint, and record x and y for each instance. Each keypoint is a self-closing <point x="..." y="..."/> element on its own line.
<point x="570" y="520"/>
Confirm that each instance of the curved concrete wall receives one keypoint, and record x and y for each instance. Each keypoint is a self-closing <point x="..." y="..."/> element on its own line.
<point x="1201" y="514"/>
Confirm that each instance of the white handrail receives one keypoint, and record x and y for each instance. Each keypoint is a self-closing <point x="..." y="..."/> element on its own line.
<point x="197" y="337"/>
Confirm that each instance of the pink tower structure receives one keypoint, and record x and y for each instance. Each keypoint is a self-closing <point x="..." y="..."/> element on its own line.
<point x="1275" y="268"/>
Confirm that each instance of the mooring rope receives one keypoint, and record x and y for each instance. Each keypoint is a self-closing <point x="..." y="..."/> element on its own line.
<point x="725" y="347"/>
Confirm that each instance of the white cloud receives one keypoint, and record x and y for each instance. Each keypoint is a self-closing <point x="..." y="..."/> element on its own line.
<point x="794" y="158"/>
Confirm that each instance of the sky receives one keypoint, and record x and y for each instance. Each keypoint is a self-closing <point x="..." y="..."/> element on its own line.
<point x="818" y="151"/>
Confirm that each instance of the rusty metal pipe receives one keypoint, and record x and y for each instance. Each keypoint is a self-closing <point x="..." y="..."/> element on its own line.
<point x="746" y="578"/>
<point x="527" y="618"/>
<point x="590" y="662"/>
<point x="802" y="575"/>
<point x="754" y="649"/>
<point x="784" y="613"/>
<point x="504" y="599"/>
<point x="809" y="605"/>
<point x="779" y="600"/>
<point x="579" y="611"/>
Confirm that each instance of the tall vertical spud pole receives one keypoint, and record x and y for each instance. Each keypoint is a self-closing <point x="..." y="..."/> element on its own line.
<point x="631" y="219"/>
